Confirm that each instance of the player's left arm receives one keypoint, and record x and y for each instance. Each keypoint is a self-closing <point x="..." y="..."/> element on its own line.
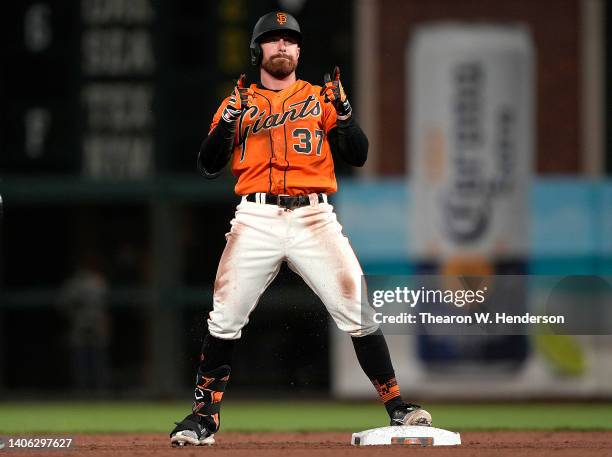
<point x="346" y="139"/>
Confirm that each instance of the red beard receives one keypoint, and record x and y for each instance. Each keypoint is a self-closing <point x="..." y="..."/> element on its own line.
<point x="279" y="67"/>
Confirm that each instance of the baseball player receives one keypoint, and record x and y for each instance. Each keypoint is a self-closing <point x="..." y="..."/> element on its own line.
<point x="282" y="136"/>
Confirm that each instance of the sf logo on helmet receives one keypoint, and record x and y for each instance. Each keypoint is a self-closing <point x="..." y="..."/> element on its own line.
<point x="281" y="18"/>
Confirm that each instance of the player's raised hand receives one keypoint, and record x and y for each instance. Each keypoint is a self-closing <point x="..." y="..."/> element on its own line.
<point x="241" y="98"/>
<point x="334" y="93"/>
<point x="247" y="95"/>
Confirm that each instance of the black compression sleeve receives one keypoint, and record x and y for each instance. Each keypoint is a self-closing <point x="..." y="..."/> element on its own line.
<point x="215" y="352"/>
<point x="373" y="355"/>
<point x="216" y="149"/>
<point x="349" y="142"/>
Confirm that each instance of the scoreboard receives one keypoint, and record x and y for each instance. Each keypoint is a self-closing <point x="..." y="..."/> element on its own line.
<point x="126" y="89"/>
<point x="77" y="88"/>
<point x="39" y="79"/>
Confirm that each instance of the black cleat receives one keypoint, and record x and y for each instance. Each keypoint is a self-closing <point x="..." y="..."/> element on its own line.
<point x="193" y="431"/>
<point x="410" y="414"/>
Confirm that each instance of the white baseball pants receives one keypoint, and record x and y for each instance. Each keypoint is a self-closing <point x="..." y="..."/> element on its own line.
<point x="310" y="240"/>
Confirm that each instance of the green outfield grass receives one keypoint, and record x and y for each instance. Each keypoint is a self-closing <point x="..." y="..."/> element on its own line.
<point x="108" y="417"/>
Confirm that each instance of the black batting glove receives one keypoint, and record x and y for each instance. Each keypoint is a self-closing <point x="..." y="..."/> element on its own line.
<point x="242" y="97"/>
<point x="334" y="94"/>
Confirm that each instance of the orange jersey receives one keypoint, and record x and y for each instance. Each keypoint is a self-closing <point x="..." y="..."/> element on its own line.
<point x="281" y="144"/>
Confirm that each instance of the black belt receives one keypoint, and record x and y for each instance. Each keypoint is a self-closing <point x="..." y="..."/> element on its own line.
<point x="287" y="201"/>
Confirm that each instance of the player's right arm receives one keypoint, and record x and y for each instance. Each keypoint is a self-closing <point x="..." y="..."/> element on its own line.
<point x="217" y="148"/>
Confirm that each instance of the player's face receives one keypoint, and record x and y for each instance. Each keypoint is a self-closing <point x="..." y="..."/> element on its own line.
<point x="280" y="54"/>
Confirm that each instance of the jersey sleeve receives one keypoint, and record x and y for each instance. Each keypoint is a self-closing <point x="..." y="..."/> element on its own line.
<point x="218" y="114"/>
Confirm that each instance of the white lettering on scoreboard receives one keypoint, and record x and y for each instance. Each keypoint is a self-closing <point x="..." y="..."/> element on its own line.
<point x="117" y="65"/>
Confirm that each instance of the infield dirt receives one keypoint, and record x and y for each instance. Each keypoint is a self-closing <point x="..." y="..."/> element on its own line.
<point x="328" y="444"/>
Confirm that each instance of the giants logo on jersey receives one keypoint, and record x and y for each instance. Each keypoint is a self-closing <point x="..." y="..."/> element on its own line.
<point x="309" y="107"/>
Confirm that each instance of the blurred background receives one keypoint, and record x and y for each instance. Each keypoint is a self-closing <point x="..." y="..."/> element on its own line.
<point x="490" y="153"/>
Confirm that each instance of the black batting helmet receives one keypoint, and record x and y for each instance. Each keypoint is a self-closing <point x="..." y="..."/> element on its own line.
<point x="272" y="22"/>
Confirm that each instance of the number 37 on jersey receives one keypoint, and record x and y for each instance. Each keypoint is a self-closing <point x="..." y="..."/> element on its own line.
<point x="282" y="140"/>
